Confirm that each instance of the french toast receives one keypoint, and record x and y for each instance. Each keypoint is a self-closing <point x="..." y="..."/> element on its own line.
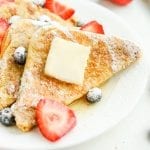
<point x="108" y="56"/>
<point x="7" y="10"/>
<point x="27" y="9"/>
<point x="30" y="10"/>
<point x="19" y="35"/>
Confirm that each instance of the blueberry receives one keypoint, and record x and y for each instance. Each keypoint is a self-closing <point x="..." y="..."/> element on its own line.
<point x="6" y="117"/>
<point x="94" y="95"/>
<point x="20" y="55"/>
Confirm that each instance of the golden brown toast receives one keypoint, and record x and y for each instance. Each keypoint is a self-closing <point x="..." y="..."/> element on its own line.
<point x="7" y="10"/>
<point x="18" y="35"/>
<point x="108" y="56"/>
<point x="26" y="9"/>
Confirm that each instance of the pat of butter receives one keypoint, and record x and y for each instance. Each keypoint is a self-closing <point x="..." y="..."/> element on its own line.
<point x="67" y="61"/>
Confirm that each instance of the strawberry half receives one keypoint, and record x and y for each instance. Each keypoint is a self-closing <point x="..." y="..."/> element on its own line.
<point x="3" y="28"/>
<point x="61" y="10"/>
<point x="93" y="26"/>
<point x="121" y="2"/>
<point x="54" y="119"/>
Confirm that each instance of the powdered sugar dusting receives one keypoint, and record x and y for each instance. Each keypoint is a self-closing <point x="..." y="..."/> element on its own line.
<point x="39" y="23"/>
<point x="94" y="37"/>
<point x="28" y="77"/>
<point x="15" y="106"/>
<point x="3" y="63"/>
<point x="14" y="19"/>
<point x="65" y="31"/>
<point x="131" y="49"/>
<point x="117" y="62"/>
<point x="47" y="19"/>
<point x="36" y="99"/>
<point x="48" y="22"/>
<point x="11" y="89"/>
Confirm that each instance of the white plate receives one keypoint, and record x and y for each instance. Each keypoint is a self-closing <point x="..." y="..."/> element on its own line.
<point x="120" y="94"/>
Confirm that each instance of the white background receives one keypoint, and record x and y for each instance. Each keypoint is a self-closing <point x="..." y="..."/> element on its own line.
<point x="132" y="132"/>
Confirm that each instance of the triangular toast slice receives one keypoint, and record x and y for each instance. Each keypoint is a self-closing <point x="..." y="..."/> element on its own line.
<point x="18" y="35"/>
<point x="109" y="55"/>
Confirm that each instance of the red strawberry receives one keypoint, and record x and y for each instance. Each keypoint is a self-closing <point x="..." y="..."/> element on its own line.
<point x="3" y="28"/>
<point x="121" y="2"/>
<point x="59" y="9"/>
<point x="54" y="119"/>
<point x="93" y="26"/>
<point x="5" y="1"/>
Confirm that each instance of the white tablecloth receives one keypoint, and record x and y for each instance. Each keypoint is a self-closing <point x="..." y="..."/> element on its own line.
<point x="132" y="132"/>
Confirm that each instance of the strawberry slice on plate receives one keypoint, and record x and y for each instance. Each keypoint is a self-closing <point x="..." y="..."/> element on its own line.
<point x="93" y="26"/>
<point x="54" y="119"/>
<point x="121" y="2"/>
<point x="61" y="10"/>
<point x="3" y="28"/>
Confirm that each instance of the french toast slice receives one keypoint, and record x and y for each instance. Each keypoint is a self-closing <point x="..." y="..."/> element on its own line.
<point x="18" y="35"/>
<point x="108" y="56"/>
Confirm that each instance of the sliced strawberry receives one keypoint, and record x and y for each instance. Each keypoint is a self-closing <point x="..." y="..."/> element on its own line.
<point x="3" y="28"/>
<point x="93" y="26"/>
<point x="121" y="2"/>
<point x="5" y="2"/>
<point x="61" y="10"/>
<point x="54" y="119"/>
